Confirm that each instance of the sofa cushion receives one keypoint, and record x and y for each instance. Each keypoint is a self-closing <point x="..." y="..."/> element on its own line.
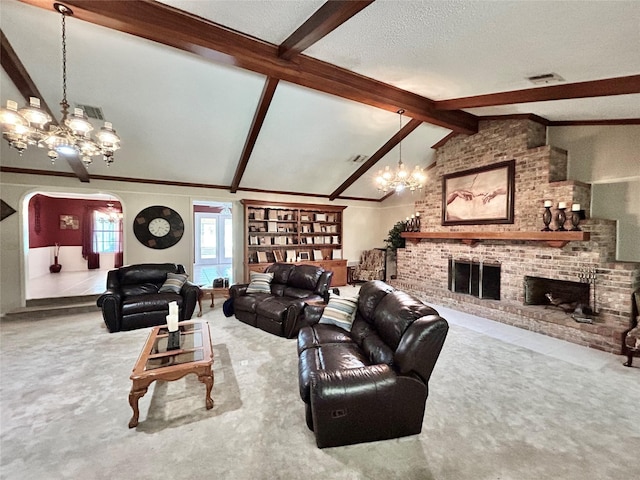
<point x="321" y="334"/>
<point x="281" y="272"/>
<point x="340" y="311"/>
<point x="248" y="303"/>
<point x="395" y="312"/>
<point x="276" y="307"/>
<point x="304" y="277"/>
<point x="149" y="302"/>
<point x="141" y="289"/>
<point x="293" y="292"/>
<point x="371" y="293"/>
<point x="173" y="283"/>
<point x="260" y="283"/>
<point x="146" y="273"/>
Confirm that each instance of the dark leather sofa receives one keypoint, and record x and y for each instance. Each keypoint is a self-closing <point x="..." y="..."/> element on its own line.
<point x="281" y="311"/>
<point x="132" y="299"/>
<point x="371" y="383"/>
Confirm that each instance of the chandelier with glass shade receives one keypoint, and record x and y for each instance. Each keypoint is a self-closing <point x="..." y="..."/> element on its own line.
<point x="401" y="178"/>
<point x="33" y="126"/>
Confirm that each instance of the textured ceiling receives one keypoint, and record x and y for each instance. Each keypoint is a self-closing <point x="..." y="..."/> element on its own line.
<point x="184" y="118"/>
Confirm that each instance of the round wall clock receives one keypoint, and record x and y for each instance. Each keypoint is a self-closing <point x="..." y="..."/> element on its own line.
<point x="158" y="227"/>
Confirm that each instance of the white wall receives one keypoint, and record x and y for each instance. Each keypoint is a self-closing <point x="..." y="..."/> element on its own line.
<point x="362" y="224"/>
<point x="607" y="157"/>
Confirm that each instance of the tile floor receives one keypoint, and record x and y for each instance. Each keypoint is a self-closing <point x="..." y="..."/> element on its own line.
<point x="93" y="282"/>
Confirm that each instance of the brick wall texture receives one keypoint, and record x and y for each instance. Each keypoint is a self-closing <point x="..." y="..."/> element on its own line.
<point x="541" y="172"/>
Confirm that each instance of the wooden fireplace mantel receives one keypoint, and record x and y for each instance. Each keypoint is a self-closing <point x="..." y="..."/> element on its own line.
<point x="552" y="239"/>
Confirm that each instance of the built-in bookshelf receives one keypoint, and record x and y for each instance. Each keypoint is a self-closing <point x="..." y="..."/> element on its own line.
<point x="294" y="232"/>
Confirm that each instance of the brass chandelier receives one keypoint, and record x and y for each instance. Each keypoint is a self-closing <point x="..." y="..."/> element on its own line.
<point x="401" y="179"/>
<point x="33" y="126"/>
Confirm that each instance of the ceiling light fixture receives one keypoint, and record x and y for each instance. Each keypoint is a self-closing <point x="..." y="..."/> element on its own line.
<point x="400" y="179"/>
<point x="28" y="126"/>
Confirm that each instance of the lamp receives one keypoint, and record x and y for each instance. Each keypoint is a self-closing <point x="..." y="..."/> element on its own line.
<point x="27" y="126"/>
<point x="401" y="178"/>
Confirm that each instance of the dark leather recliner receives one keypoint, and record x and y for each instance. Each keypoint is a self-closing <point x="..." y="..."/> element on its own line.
<point x="132" y="299"/>
<point x="281" y="311"/>
<point x="370" y="383"/>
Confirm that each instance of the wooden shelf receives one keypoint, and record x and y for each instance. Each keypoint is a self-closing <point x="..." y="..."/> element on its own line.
<point x="553" y="239"/>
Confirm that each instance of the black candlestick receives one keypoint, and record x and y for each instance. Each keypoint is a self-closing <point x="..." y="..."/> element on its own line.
<point x="561" y="218"/>
<point x="173" y="340"/>
<point x="546" y="218"/>
<point x="575" y="221"/>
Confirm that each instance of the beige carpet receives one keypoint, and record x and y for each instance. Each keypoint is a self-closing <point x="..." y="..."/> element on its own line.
<point x="496" y="411"/>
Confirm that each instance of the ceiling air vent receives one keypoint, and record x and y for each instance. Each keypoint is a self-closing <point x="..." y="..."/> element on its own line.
<point x="545" y="79"/>
<point x="92" y="112"/>
<point x="357" y="158"/>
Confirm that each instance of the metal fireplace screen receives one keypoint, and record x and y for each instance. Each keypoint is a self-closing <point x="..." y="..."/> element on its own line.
<point x="475" y="278"/>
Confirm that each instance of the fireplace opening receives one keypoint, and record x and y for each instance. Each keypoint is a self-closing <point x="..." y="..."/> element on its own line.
<point x="480" y="279"/>
<point x="563" y="294"/>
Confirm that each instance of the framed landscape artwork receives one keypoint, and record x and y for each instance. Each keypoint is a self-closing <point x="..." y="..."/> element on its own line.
<point x="479" y="196"/>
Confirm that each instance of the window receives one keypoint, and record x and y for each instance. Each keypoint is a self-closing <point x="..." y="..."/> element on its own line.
<point x="106" y="233"/>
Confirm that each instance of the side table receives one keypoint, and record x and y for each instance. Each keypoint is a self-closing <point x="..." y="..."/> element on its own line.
<point x="209" y="290"/>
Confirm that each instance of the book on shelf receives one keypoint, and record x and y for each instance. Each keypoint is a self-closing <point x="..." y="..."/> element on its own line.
<point x="273" y="226"/>
<point x="277" y="255"/>
<point x="273" y="214"/>
<point x="253" y="240"/>
<point x="262" y="257"/>
<point x="335" y="239"/>
<point x="336" y="254"/>
<point x="316" y="227"/>
<point x="321" y="217"/>
<point x="317" y="254"/>
<point x="291" y="256"/>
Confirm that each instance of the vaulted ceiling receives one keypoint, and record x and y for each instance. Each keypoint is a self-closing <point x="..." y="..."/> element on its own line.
<point x="282" y="96"/>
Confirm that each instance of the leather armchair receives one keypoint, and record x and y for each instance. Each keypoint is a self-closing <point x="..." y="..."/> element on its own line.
<point x="132" y="299"/>
<point x="371" y="266"/>
<point x="631" y="344"/>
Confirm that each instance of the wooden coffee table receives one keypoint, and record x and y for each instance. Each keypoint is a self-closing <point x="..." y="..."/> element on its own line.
<point x="157" y="363"/>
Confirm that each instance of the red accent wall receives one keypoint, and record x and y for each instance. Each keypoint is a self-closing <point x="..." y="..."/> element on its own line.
<point x="50" y="210"/>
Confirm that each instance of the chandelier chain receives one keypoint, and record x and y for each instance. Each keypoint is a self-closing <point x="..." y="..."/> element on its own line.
<point x="64" y="59"/>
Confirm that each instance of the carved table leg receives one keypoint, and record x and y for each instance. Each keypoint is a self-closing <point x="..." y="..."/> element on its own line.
<point x="207" y="379"/>
<point x="134" y="396"/>
<point x="200" y="295"/>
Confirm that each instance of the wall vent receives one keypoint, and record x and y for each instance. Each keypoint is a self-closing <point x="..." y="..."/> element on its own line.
<point x="545" y="79"/>
<point x="357" y="158"/>
<point x="92" y="112"/>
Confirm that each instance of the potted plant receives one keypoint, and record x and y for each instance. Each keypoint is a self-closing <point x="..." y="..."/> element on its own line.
<point x="394" y="241"/>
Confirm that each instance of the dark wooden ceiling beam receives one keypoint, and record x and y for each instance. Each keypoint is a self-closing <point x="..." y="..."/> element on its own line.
<point x="169" y="26"/>
<point x="326" y="19"/>
<point x="382" y="151"/>
<point x="18" y="74"/>
<point x="258" y="119"/>
<point x="595" y="88"/>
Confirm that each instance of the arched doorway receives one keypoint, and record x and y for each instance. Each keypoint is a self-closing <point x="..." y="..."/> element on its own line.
<point x="71" y="241"/>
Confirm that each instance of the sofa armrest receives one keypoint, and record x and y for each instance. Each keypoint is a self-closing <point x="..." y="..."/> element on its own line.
<point x="111" y="304"/>
<point x="238" y="290"/>
<point x="190" y="293"/>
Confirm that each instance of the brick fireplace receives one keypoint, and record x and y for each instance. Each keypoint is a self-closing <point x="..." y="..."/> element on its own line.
<point x="541" y="170"/>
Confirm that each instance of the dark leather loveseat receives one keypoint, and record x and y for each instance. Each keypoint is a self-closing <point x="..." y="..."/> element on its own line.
<point x="280" y="312"/>
<point x="133" y="300"/>
<point x="370" y="383"/>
